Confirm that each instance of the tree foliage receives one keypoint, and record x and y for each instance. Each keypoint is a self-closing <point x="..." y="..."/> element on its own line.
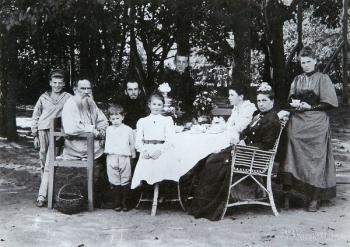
<point x="109" y="41"/>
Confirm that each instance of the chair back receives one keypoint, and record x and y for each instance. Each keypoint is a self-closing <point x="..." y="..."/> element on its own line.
<point x="283" y="124"/>
<point x="56" y="135"/>
<point x="251" y="160"/>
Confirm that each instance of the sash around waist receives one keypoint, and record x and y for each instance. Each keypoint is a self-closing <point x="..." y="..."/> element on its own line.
<point x="153" y="142"/>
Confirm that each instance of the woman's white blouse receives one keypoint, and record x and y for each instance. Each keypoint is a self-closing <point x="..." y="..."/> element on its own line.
<point x="155" y="127"/>
<point x="240" y="117"/>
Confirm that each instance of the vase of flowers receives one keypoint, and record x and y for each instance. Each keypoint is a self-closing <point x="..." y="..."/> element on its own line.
<point x="203" y="104"/>
<point x="164" y="89"/>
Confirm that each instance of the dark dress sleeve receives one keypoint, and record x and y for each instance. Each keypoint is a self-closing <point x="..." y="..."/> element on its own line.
<point x="264" y="134"/>
<point x="327" y="91"/>
<point x="271" y="131"/>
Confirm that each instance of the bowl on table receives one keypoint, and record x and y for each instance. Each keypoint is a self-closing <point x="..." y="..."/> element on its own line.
<point x="188" y="125"/>
<point x="197" y="129"/>
<point x="215" y="129"/>
<point x="179" y="128"/>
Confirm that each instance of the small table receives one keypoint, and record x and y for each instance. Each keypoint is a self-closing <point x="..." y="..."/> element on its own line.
<point x="189" y="148"/>
<point x="192" y="147"/>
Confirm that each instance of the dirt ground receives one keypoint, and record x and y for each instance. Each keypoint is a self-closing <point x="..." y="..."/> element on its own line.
<point x="23" y="224"/>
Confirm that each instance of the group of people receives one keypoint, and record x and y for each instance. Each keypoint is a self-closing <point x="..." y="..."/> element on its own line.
<point x="134" y="136"/>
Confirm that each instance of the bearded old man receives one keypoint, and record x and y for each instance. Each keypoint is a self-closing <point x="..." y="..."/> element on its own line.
<point x="80" y="115"/>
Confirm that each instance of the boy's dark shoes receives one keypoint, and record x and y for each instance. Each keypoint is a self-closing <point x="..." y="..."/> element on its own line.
<point x="125" y="197"/>
<point x="107" y="205"/>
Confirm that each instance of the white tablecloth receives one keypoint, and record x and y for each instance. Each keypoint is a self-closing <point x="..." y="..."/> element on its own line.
<point x="190" y="148"/>
<point x="176" y="161"/>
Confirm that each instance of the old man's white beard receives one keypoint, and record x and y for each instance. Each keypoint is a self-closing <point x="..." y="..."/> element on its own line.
<point x="88" y="100"/>
<point x="87" y="104"/>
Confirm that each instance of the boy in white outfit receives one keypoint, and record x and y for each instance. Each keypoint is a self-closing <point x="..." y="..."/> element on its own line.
<point x="120" y="148"/>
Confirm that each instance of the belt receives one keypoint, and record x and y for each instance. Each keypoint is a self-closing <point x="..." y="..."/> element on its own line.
<point x="153" y="142"/>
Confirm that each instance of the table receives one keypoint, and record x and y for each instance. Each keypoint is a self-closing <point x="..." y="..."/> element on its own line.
<point x="192" y="147"/>
<point x="176" y="161"/>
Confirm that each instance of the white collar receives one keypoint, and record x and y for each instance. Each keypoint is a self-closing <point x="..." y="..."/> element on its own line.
<point x="155" y="116"/>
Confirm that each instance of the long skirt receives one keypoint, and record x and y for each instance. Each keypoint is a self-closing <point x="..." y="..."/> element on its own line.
<point x="309" y="166"/>
<point x="208" y="184"/>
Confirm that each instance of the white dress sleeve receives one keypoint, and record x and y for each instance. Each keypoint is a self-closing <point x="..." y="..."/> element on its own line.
<point x="244" y="118"/>
<point x="132" y="143"/>
<point x="139" y="136"/>
<point x="240" y="120"/>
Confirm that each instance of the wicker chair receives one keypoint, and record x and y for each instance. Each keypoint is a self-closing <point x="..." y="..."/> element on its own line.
<point x="254" y="163"/>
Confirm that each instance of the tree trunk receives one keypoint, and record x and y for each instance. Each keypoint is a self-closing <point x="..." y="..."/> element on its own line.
<point x="11" y="78"/>
<point x="123" y="39"/>
<point x="280" y="85"/>
<point x="275" y="15"/>
<point x="266" y="76"/>
<point x="183" y="23"/>
<point x="84" y="50"/>
<point x="241" y="51"/>
<point x="345" y="54"/>
<point x="135" y="65"/>
<point x="2" y="89"/>
<point x="72" y="75"/>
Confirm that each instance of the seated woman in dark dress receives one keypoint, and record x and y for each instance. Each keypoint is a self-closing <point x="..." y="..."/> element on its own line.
<point x="208" y="181"/>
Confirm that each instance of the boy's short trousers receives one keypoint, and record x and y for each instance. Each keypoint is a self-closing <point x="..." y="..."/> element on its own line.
<point x="118" y="169"/>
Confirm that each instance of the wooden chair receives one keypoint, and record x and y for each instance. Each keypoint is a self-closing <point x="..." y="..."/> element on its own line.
<point x="57" y="132"/>
<point x="155" y="199"/>
<point x="253" y="163"/>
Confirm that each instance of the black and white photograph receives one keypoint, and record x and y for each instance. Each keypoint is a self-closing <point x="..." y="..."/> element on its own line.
<point x="174" y="123"/>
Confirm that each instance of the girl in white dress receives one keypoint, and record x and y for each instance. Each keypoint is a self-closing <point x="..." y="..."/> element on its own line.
<point x="154" y="140"/>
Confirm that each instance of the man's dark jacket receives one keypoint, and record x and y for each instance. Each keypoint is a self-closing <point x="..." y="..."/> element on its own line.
<point x="135" y="109"/>
<point x="182" y="88"/>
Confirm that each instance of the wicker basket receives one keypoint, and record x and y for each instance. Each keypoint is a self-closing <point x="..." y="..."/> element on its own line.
<point x="69" y="202"/>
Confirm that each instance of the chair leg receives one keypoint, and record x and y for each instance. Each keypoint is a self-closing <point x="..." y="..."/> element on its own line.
<point x="179" y="195"/>
<point x="90" y="175"/>
<point x="140" y="199"/>
<point x="155" y="199"/>
<point x="270" y="194"/>
<point x="51" y="188"/>
<point x="286" y="200"/>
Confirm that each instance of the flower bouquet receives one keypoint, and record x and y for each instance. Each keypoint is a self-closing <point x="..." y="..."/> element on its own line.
<point x="171" y="106"/>
<point x="203" y="103"/>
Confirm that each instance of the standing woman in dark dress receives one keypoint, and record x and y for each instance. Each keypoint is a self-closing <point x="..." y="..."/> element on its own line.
<point x="309" y="166"/>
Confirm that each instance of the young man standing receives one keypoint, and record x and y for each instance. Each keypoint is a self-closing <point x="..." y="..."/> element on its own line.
<point x="181" y="84"/>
